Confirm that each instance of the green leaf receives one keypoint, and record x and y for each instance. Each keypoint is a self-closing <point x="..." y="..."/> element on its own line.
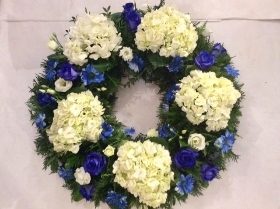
<point x="54" y="166"/>
<point x="157" y="60"/>
<point x="79" y="89"/>
<point x="74" y="161"/>
<point x="116" y="16"/>
<point x="56" y="57"/>
<point x="204" y="184"/>
<point x="215" y="69"/>
<point x="122" y="143"/>
<point x="103" y="66"/>
<point x="161" y="141"/>
<point x="76" y="196"/>
<point x="183" y="142"/>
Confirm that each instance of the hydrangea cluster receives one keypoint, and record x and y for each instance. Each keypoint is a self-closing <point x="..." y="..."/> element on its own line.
<point x="167" y="31"/>
<point x="93" y="36"/>
<point x="204" y="97"/>
<point x="144" y="170"/>
<point x="77" y="118"/>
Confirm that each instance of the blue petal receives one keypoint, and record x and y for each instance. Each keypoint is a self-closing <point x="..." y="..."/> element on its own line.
<point x="129" y="131"/>
<point x="91" y="75"/>
<point x="116" y="200"/>
<point x="40" y="121"/>
<point x="185" y="185"/>
<point x="176" y="64"/>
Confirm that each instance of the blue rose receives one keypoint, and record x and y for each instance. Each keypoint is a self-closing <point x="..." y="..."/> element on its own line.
<point x="218" y="50"/>
<point x="204" y="60"/>
<point x="185" y="158"/>
<point x="94" y="163"/>
<point x="67" y="72"/>
<point x="128" y="7"/>
<point x="208" y="172"/>
<point x="133" y="19"/>
<point x="45" y="99"/>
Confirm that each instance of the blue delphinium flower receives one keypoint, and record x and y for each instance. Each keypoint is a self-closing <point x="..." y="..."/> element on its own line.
<point x="165" y="132"/>
<point x="107" y="131"/>
<point x="232" y="71"/>
<point x="91" y="75"/>
<point x="129" y="131"/>
<point x="136" y="64"/>
<point x="50" y="70"/>
<point x="170" y="94"/>
<point x="66" y="174"/>
<point x="185" y="185"/>
<point x="40" y="123"/>
<point x="218" y="50"/>
<point x="116" y="200"/>
<point x="176" y="64"/>
<point x="87" y="191"/>
<point x="225" y="142"/>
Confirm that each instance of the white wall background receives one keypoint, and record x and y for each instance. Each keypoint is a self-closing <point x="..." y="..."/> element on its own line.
<point x="249" y="30"/>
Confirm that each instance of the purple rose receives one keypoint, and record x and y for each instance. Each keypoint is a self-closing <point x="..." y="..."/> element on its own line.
<point x="204" y="60"/>
<point x="67" y="72"/>
<point x="94" y="163"/>
<point x="133" y="19"/>
<point x="218" y="50"/>
<point x="185" y="158"/>
<point x="45" y="99"/>
<point x="128" y="7"/>
<point x="208" y="172"/>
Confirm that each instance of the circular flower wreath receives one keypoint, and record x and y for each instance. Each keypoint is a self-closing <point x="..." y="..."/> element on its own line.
<point x="95" y="154"/>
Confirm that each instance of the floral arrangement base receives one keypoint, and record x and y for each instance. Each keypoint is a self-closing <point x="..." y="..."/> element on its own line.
<point x="98" y="157"/>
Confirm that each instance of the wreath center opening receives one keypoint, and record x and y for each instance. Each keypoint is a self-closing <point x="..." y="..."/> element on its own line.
<point x="137" y="106"/>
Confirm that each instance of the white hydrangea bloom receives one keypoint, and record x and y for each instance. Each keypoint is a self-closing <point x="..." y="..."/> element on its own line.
<point x="93" y="36"/>
<point x="81" y="176"/>
<point x="168" y="32"/>
<point x="204" y="97"/>
<point x="77" y="118"/>
<point x="144" y="170"/>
